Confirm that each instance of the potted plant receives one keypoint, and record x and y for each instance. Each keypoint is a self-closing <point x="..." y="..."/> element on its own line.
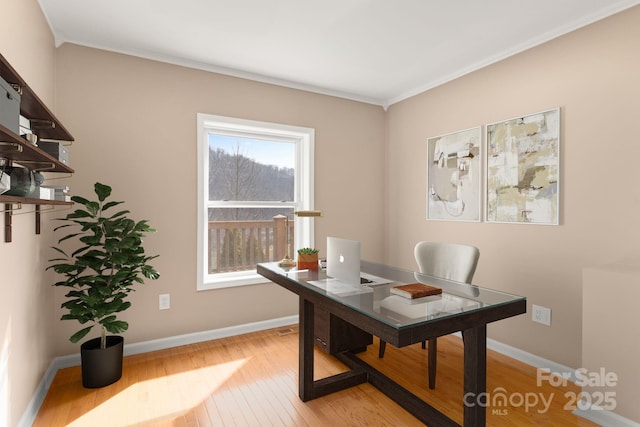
<point x="307" y="259"/>
<point x="100" y="274"/>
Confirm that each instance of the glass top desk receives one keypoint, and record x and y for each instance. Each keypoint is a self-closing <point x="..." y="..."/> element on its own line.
<point x="398" y="321"/>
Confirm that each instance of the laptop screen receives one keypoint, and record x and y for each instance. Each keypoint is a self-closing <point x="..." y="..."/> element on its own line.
<point x="343" y="260"/>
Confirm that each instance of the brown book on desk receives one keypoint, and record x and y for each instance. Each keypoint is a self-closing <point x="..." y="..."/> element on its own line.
<point x="415" y="290"/>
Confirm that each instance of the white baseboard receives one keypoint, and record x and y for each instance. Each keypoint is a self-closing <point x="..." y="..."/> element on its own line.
<point x="528" y="358"/>
<point x="602" y="417"/>
<point x="186" y="339"/>
<point x="605" y="418"/>
<point x="595" y="414"/>
<point x="532" y="359"/>
<point x="143" y="347"/>
<point x="29" y="415"/>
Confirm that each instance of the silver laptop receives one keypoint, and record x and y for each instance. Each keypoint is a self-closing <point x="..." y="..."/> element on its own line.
<point x="343" y="260"/>
<point x="343" y="263"/>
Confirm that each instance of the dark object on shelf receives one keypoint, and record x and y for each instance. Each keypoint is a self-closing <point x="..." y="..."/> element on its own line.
<point x="9" y="107"/>
<point x="56" y="150"/>
<point x="23" y="181"/>
<point x="5" y="179"/>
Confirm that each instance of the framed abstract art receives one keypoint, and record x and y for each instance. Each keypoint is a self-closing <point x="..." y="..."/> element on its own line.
<point x="454" y="176"/>
<point x="523" y="169"/>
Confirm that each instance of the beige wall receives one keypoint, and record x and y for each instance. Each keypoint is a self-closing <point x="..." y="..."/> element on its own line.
<point x="134" y="121"/>
<point x="26" y="329"/>
<point x="618" y="373"/>
<point x="592" y="75"/>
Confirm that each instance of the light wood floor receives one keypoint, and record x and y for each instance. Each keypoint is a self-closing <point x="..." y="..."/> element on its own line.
<point x="251" y="380"/>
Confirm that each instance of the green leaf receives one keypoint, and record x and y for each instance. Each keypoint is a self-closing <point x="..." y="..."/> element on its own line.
<point x="69" y="236"/>
<point x="75" y="294"/>
<point x="79" y="199"/>
<point x="91" y="240"/>
<point x="115" y="326"/>
<point x="103" y="191"/>
<point x="143" y="227"/>
<point x="110" y="205"/>
<point x="64" y="268"/>
<point x="80" y="334"/>
<point x="119" y="214"/>
<point x="63" y="225"/>
<point x="80" y="256"/>
<point x="149" y="272"/>
<point x="79" y="213"/>
<point x="94" y="208"/>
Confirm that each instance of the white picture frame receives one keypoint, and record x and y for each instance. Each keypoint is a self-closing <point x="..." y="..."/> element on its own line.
<point x="523" y="169"/>
<point x="454" y="176"/>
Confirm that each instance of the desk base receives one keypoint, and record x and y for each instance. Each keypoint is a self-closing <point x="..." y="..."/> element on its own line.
<point x="361" y="372"/>
<point x="407" y="400"/>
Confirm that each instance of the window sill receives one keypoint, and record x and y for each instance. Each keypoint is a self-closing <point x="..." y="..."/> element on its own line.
<point x="232" y="282"/>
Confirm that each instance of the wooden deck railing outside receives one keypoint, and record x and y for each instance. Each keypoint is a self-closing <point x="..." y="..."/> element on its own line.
<point x="240" y="245"/>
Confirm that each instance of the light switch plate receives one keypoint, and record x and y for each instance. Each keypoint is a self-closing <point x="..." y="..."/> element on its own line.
<point x="541" y="314"/>
<point x="164" y="301"/>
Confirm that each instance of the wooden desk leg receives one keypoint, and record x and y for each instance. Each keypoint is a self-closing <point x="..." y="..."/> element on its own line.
<point x="475" y="376"/>
<point x="305" y="353"/>
<point x="432" y="360"/>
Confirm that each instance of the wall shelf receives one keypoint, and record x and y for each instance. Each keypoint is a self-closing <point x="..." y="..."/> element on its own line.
<point x="17" y="149"/>
<point x="31" y="107"/>
<point x="13" y="205"/>
<point x="20" y="150"/>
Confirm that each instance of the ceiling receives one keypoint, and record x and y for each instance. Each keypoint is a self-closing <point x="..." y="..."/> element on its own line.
<point x="375" y="51"/>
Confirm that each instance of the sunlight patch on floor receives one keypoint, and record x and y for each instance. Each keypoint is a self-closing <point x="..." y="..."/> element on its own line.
<point x="160" y="397"/>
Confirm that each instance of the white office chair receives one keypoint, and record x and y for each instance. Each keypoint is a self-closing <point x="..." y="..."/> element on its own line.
<point x="448" y="261"/>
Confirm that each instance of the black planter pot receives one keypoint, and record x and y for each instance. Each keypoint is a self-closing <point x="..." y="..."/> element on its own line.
<point x="101" y="367"/>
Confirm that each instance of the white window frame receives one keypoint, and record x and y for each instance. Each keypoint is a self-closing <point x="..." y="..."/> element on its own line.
<point x="304" y="139"/>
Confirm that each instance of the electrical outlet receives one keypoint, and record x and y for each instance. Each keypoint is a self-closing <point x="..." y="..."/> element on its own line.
<point x="541" y="314"/>
<point x="164" y="301"/>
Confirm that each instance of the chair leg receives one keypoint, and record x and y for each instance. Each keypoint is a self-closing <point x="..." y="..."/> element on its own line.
<point x="433" y="351"/>
<point x="432" y="358"/>
<point x="383" y="346"/>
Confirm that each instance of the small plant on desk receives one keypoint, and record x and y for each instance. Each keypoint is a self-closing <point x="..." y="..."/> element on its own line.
<point x="307" y="259"/>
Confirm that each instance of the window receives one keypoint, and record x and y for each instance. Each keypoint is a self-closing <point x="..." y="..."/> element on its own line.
<point x="252" y="176"/>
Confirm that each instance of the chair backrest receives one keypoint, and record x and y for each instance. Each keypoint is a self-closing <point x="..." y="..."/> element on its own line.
<point x="447" y="260"/>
